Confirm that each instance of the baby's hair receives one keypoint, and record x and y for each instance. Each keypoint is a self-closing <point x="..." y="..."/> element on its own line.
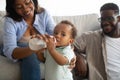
<point x="73" y="30"/>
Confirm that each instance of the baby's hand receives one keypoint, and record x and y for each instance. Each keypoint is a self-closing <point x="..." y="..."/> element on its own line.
<point x="51" y="42"/>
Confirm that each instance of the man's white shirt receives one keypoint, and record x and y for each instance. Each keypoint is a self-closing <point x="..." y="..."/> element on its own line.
<point x="113" y="58"/>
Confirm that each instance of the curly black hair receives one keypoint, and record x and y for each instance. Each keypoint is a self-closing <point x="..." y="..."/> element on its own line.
<point x="10" y="11"/>
<point x="110" y="6"/>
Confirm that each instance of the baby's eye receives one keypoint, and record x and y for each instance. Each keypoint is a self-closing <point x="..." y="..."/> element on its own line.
<point x="63" y="34"/>
<point x="55" y="33"/>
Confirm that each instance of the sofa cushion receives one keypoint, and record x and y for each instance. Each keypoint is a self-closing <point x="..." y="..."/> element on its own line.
<point x="1" y="29"/>
<point x="8" y="69"/>
<point x="83" y="23"/>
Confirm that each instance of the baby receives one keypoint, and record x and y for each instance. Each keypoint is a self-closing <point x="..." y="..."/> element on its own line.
<point x="59" y="52"/>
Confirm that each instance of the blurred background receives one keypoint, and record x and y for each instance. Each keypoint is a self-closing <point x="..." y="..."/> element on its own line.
<point x="69" y="7"/>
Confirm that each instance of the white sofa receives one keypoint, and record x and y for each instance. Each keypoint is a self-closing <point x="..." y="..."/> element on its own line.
<point x="11" y="71"/>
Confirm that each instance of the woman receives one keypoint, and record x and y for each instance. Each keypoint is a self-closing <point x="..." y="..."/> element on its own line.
<point x="23" y="20"/>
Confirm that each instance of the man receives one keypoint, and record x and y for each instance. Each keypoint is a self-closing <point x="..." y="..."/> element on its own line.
<point x="101" y="47"/>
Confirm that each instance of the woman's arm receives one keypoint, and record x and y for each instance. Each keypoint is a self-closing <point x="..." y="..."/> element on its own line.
<point x="80" y="51"/>
<point x="19" y="53"/>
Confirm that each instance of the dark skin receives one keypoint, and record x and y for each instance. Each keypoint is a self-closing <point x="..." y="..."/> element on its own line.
<point x="109" y="27"/>
<point x="118" y="18"/>
<point x="24" y="8"/>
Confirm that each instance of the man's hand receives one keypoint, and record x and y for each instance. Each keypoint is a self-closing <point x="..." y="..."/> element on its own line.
<point x="81" y="66"/>
<point x="72" y="63"/>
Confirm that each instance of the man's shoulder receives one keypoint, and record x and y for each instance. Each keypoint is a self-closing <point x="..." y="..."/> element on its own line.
<point x="96" y="32"/>
<point x="90" y="34"/>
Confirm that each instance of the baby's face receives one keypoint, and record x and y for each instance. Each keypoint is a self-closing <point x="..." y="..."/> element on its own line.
<point x="62" y="33"/>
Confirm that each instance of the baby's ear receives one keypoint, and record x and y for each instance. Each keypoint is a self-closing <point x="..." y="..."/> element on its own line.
<point x="71" y="41"/>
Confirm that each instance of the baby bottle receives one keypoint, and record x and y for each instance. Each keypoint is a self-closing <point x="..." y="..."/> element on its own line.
<point x="36" y="44"/>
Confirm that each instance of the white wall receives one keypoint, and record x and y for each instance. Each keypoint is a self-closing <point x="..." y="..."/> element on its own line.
<point x="74" y="7"/>
<point x="2" y="5"/>
<point x="70" y="7"/>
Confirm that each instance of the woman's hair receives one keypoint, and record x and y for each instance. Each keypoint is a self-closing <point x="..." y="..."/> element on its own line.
<point x="10" y="10"/>
<point x="73" y="30"/>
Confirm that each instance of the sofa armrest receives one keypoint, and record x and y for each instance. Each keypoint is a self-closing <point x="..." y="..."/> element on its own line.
<point x="8" y="69"/>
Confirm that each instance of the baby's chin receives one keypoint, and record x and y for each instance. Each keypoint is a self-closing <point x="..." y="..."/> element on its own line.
<point x="58" y="45"/>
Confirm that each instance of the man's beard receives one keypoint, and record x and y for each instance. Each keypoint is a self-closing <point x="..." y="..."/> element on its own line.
<point x="111" y="32"/>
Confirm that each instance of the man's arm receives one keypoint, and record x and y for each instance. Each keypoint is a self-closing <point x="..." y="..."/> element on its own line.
<point x="80" y="52"/>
